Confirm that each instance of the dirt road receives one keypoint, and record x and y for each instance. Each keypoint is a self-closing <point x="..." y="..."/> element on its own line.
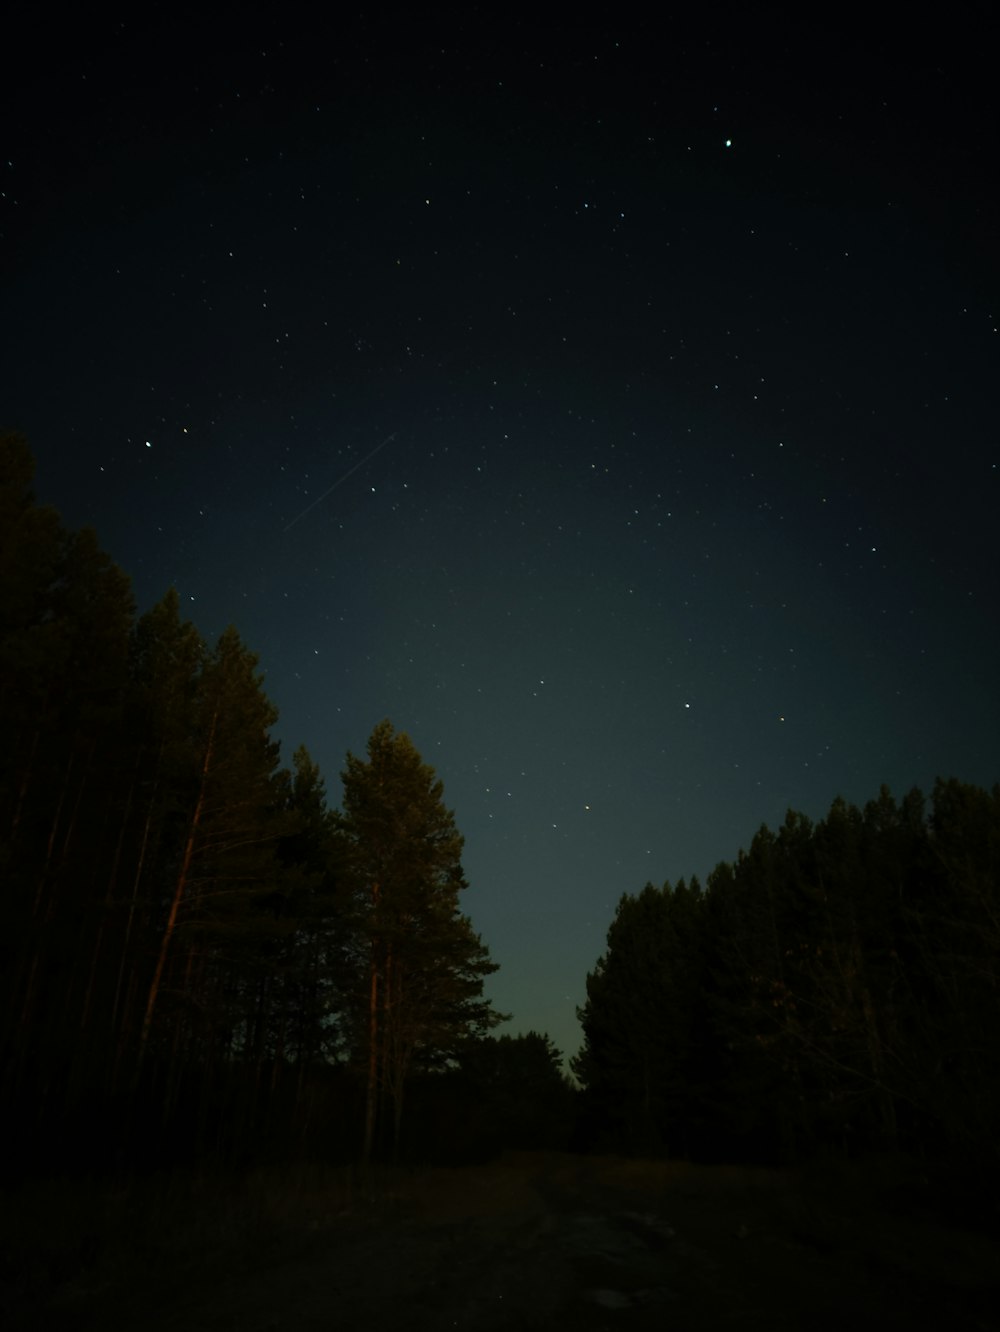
<point x="561" y="1242"/>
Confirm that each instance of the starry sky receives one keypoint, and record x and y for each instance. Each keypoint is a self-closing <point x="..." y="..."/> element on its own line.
<point x="612" y="411"/>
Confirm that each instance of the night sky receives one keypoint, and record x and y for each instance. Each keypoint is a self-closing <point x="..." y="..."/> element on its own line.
<point x="613" y="412"/>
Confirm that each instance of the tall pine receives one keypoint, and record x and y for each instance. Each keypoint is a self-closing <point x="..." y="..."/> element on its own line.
<point x="418" y="965"/>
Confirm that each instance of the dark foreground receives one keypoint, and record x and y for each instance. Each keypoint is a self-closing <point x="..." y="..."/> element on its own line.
<point x="530" y="1242"/>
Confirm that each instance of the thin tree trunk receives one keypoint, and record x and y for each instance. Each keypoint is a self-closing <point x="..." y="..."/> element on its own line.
<point x="371" y="1099"/>
<point x="22" y="790"/>
<point x="120" y="1027"/>
<point x="104" y="920"/>
<point x="179" y="891"/>
<point x="374" y="1033"/>
<point x="51" y="844"/>
<point x="397" y="1119"/>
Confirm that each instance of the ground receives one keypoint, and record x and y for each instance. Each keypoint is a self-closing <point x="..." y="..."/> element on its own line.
<point x="532" y="1241"/>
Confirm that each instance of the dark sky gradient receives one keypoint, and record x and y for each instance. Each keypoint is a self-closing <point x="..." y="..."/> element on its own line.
<point x="652" y="383"/>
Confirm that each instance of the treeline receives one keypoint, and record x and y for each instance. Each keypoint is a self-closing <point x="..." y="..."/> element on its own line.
<point x="202" y="960"/>
<point x="838" y="988"/>
<point x="199" y="957"/>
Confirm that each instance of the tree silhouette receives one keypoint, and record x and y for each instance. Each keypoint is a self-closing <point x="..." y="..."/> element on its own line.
<point x="418" y="966"/>
<point x="639" y="1021"/>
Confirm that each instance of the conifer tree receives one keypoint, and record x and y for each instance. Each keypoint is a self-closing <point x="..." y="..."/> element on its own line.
<point x="65" y="616"/>
<point x="225" y="867"/>
<point x="640" y="1016"/>
<point x="419" y="967"/>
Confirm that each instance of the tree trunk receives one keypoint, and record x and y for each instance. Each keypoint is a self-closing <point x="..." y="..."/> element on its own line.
<point x="178" y="897"/>
<point x="120" y="1026"/>
<point x="371" y="1098"/>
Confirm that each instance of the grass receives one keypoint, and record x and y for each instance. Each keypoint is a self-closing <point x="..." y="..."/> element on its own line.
<point x="99" y="1254"/>
<point x="67" y="1244"/>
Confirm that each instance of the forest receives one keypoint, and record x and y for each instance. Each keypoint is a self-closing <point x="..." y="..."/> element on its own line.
<point x="834" y="990"/>
<point x="207" y="961"/>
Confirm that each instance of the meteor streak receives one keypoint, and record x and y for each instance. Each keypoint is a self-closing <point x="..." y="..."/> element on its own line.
<point x="339" y="482"/>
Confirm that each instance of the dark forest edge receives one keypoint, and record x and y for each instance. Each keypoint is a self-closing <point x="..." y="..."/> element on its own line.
<point x="204" y="966"/>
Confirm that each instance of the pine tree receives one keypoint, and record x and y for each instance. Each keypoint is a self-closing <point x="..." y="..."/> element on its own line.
<point x="522" y="1097"/>
<point x="308" y="967"/>
<point x="65" y="617"/>
<point x="955" y="932"/>
<point x="225" y="871"/>
<point x="639" y="1018"/>
<point x="419" y="967"/>
<point x="166" y="661"/>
